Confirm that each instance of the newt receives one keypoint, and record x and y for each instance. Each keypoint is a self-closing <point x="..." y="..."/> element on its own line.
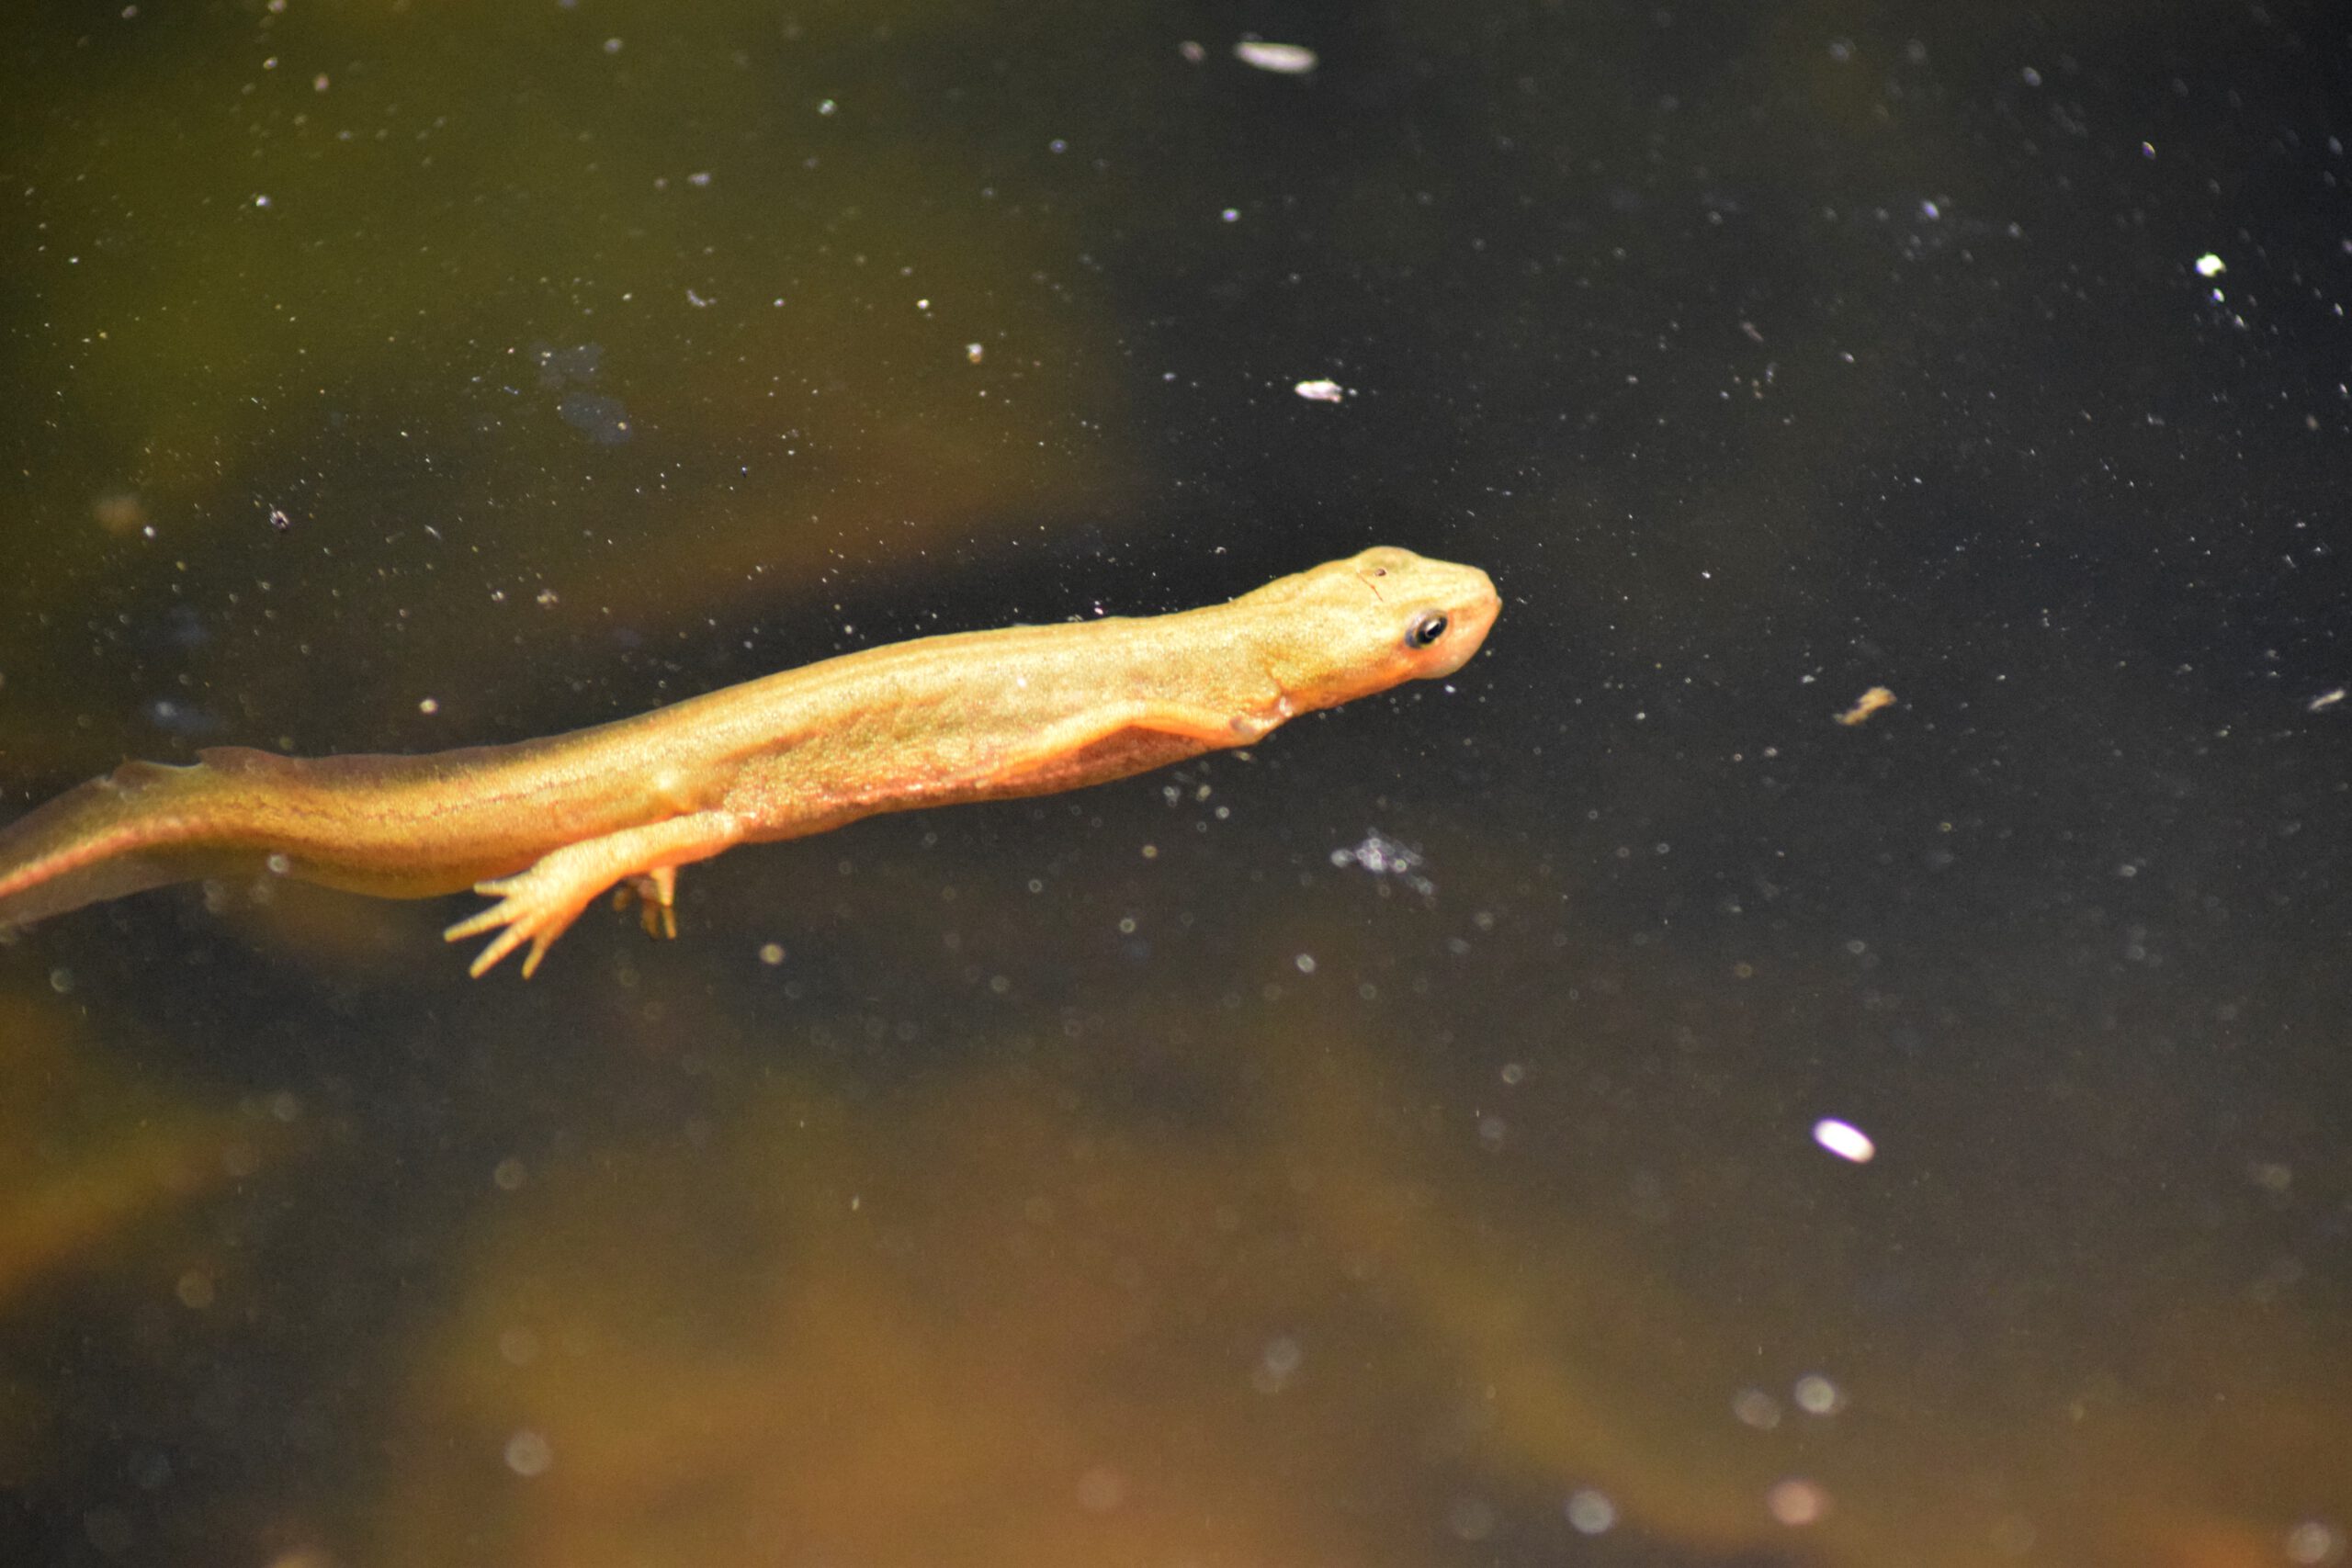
<point x="544" y="827"/>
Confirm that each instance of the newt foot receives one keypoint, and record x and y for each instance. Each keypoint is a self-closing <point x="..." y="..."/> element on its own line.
<point x="529" y="914"/>
<point x="656" y="896"/>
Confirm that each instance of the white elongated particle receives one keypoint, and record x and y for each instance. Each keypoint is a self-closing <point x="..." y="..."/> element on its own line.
<point x="1844" y="1139"/>
<point x="1283" y="59"/>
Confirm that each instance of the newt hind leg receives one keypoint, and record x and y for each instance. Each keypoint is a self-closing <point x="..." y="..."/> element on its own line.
<point x="537" y="905"/>
<point x="656" y="896"/>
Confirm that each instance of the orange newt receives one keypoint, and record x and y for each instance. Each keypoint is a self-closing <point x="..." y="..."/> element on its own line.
<point x="545" y="826"/>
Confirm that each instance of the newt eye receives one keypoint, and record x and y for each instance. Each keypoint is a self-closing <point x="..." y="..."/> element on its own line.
<point x="1426" y="628"/>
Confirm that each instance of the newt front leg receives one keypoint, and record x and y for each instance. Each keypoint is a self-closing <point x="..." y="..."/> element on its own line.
<point x="537" y="905"/>
<point x="1187" y="721"/>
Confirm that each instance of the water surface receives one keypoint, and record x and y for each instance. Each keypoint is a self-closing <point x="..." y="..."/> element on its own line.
<point x="1393" y="1146"/>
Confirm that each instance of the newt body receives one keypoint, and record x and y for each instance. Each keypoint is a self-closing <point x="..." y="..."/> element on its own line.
<point x="545" y="826"/>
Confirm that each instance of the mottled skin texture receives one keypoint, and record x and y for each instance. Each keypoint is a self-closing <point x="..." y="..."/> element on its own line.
<point x="544" y="826"/>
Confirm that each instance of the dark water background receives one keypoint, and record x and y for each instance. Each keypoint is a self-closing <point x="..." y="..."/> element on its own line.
<point x="1123" y="1178"/>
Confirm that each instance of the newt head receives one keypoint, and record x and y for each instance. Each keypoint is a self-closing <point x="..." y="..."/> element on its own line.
<point x="1351" y="627"/>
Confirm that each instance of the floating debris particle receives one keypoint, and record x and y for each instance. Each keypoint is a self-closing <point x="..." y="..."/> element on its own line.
<point x="1324" y="390"/>
<point x="1869" y="703"/>
<point x="1797" y="1502"/>
<point x="1844" y="1139"/>
<point x="2315" y="1542"/>
<point x="2326" y="700"/>
<point x="2211" y="265"/>
<point x="1817" y="1395"/>
<point x="528" y="1453"/>
<point x="1384" y="856"/>
<point x="1283" y="59"/>
<point x="1589" y="1512"/>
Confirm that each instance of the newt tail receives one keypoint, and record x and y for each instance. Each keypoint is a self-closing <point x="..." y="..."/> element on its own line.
<point x="132" y="830"/>
<point x="235" y="812"/>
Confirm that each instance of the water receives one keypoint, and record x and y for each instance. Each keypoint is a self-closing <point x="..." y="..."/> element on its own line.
<point x="1394" y="1147"/>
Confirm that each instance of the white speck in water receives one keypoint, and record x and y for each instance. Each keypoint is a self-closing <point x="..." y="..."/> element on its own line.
<point x="772" y="953"/>
<point x="1589" y="1512"/>
<point x="1282" y="59"/>
<point x="1756" y="1408"/>
<point x="2211" y="265"/>
<point x="2312" y="1542"/>
<point x="1383" y="855"/>
<point x="1321" y="391"/>
<point x="1844" y="1139"/>
<point x="1797" y="1502"/>
<point x="528" y="1454"/>
<point x="1231" y="215"/>
<point x="429" y="706"/>
<point x="1816" y="1395"/>
<point x="1306" y="962"/>
<point x="1277" y="1364"/>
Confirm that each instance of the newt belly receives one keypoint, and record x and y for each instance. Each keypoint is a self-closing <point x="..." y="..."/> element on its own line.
<point x="544" y="826"/>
